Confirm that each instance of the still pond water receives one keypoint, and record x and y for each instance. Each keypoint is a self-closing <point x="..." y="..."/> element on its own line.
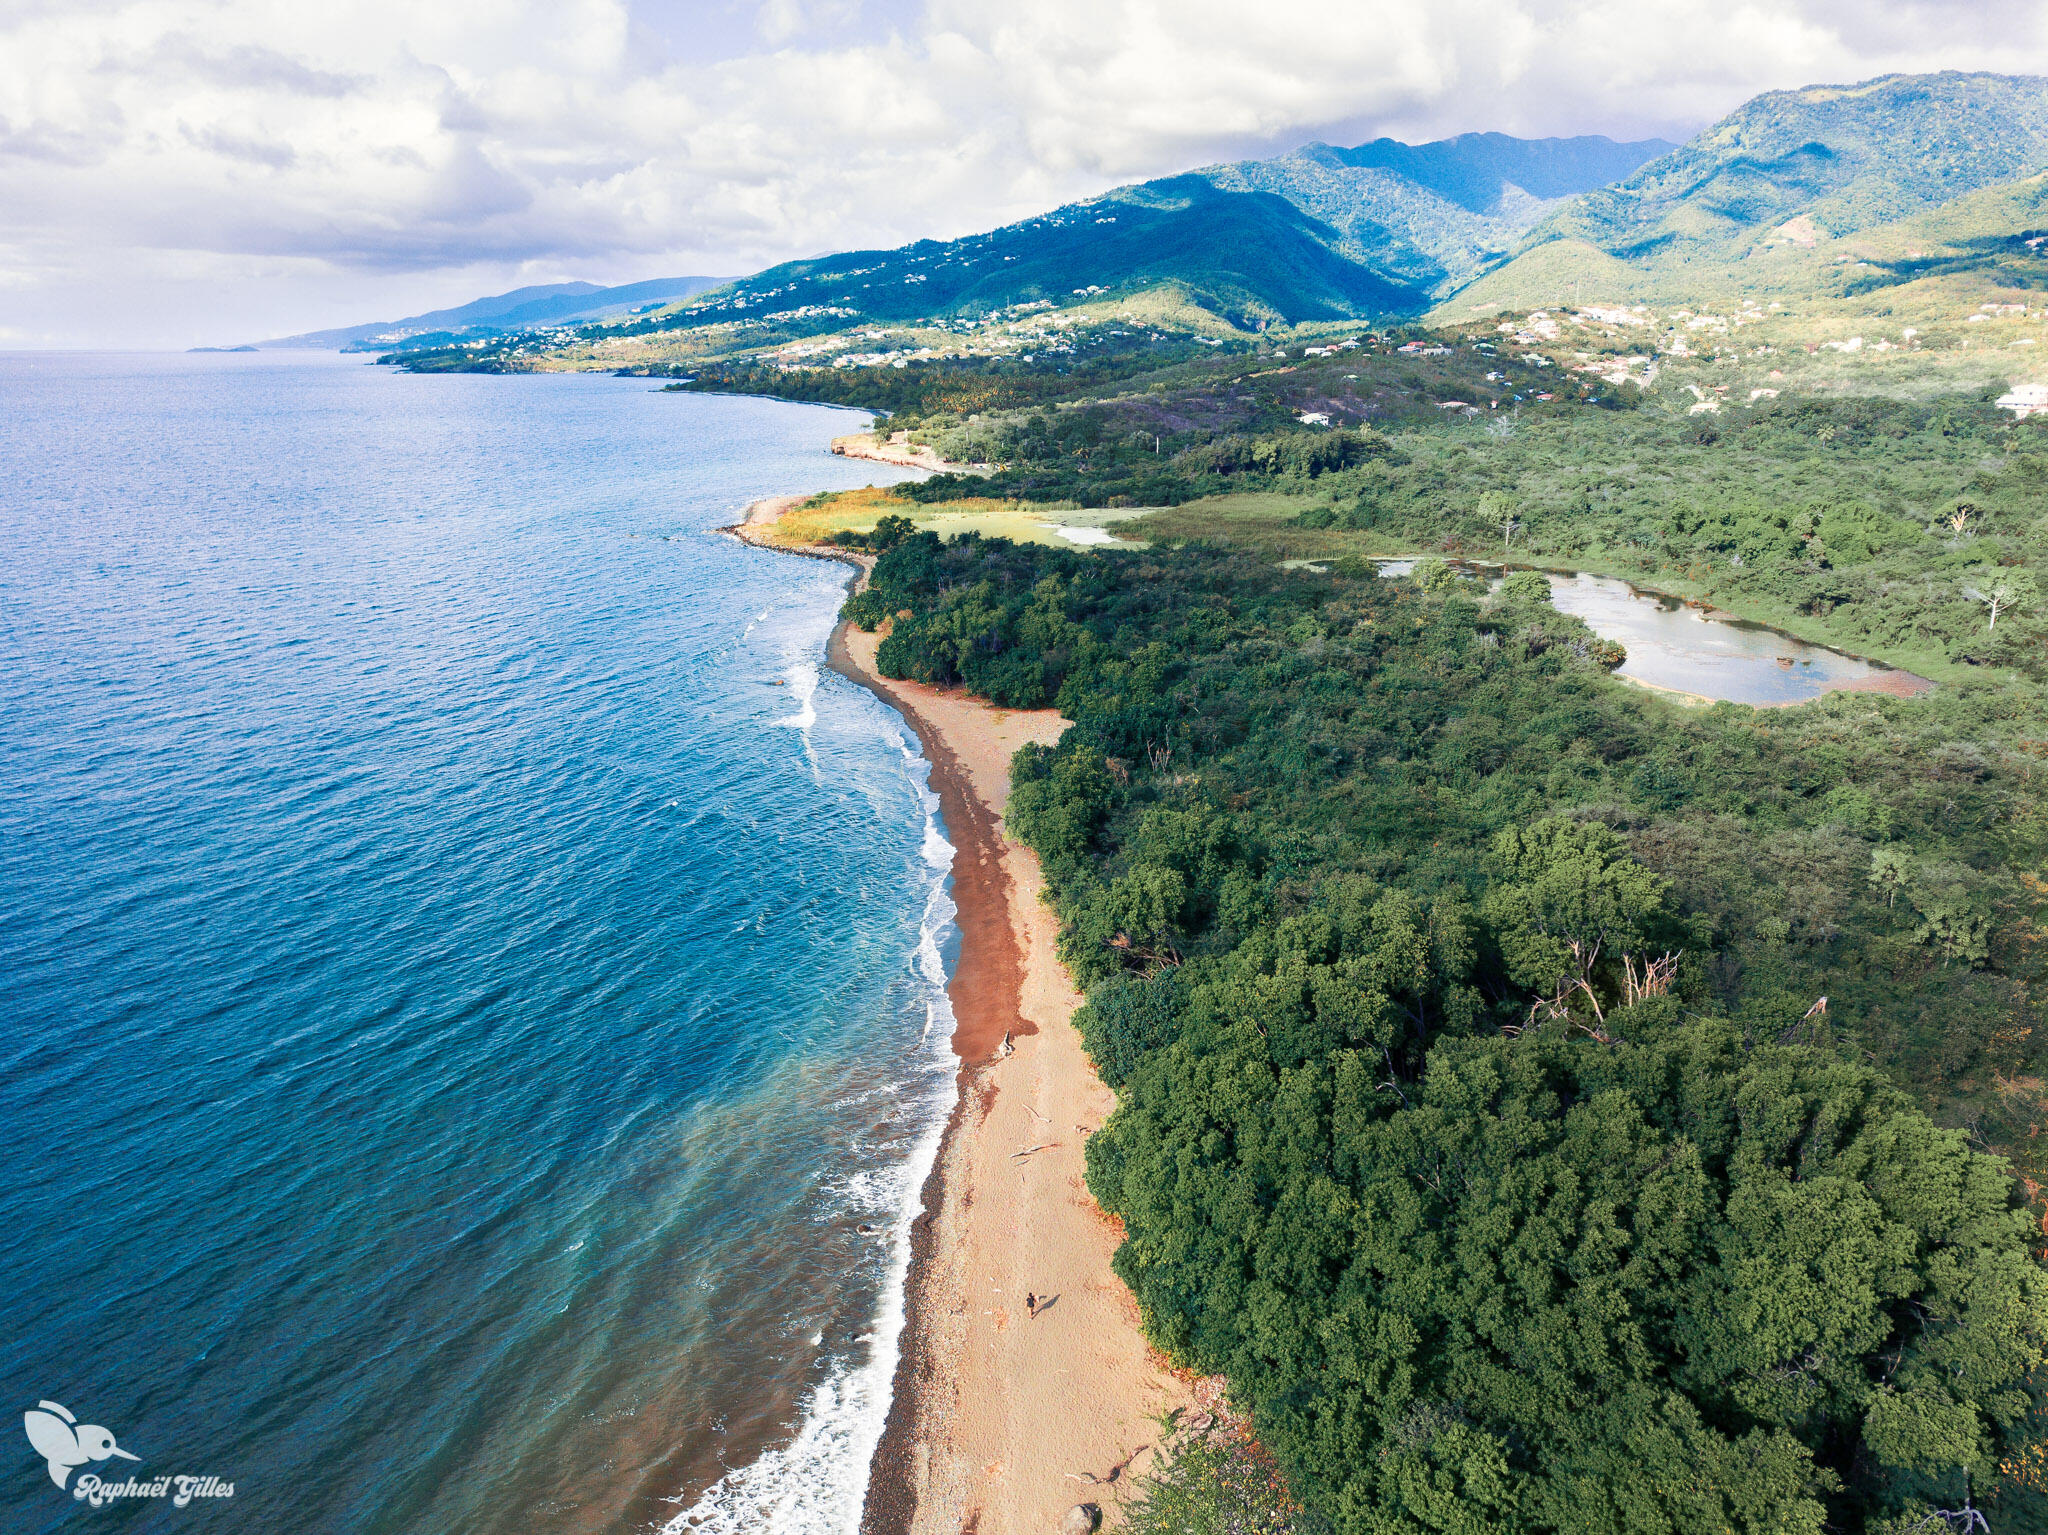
<point x="1675" y="646"/>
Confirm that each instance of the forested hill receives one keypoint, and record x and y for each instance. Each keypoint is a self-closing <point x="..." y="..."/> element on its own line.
<point x="1431" y="217"/>
<point x="1322" y="233"/>
<point x="1762" y="199"/>
<point x="1844" y="157"/>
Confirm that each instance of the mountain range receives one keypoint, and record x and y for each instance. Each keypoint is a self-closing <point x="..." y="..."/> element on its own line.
<point x="502" y="313"/>
<point x="1319" y="233"/>
<point x="1827" y="190"/>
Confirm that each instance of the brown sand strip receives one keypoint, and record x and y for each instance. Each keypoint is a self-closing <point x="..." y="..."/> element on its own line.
<point x="1001" y="1420"/>
<point x="989" y="976"/>
<point x="1898" y="683"/>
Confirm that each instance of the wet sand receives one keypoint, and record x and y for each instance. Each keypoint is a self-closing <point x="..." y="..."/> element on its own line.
<point x="1897" y="683"/>
<point x="1001" y="1421"/>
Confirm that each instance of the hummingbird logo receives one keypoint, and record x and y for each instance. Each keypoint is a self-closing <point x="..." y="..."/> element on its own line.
<point x="66" y="1443"/>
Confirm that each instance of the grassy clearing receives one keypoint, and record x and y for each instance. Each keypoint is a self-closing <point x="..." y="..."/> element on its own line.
<point x="857" y="511"/>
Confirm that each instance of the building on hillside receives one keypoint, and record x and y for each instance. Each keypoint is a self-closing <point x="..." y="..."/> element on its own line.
<point x="2025" y="400"/>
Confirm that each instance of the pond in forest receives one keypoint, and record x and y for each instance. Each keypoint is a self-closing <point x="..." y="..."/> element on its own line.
<point x="1677" y="646"/>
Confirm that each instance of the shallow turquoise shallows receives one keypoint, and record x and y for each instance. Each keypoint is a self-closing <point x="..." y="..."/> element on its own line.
<point x="469" y="988"/>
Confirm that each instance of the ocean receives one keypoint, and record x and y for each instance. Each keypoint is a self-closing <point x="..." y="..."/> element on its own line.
<point x="472" y="1023"/>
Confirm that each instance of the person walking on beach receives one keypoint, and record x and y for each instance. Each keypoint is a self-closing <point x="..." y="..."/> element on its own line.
<point x="1030" y="1304"/>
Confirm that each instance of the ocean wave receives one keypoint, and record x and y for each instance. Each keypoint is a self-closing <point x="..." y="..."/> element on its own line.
<point x="817" y="1484"/>
<point x="803" y="686"/>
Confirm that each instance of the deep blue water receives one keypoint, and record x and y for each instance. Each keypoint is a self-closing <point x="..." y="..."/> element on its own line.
<point x="466" y="1033"/>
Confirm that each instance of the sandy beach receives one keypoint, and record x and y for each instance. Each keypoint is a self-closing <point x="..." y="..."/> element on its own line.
<point x="1002" y="1421"/>
<point x="867" y="445"/>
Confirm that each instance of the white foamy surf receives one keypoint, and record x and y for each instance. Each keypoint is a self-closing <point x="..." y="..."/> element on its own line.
<point x="817" y="1484"/>
<point x="802" y="677"/>
<point x="803" y="683"/>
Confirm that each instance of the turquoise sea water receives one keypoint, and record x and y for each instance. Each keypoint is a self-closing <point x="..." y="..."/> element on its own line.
<point x="470" y="1011"/>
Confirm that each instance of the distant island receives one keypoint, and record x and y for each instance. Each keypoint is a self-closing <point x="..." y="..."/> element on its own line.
<point x="518" y="311"/>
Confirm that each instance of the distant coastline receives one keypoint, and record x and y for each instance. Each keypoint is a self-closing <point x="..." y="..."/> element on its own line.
<point x="997" y="1417"/>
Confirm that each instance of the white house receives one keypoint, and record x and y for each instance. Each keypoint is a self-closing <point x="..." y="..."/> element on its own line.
<point x="2025" y="400"/>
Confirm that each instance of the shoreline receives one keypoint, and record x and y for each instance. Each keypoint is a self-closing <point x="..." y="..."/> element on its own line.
<point x="999" y="1421"/>
<point x="868" y="445"/>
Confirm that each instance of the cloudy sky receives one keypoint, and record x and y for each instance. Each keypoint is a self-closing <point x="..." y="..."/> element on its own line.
<point x="184" y="171"/>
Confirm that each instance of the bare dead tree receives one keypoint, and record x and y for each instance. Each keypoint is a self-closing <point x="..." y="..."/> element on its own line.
<point x="1652" y="979"/>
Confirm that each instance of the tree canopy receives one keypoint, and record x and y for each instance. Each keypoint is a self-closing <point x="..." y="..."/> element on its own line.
<point x="1671" y="1283"/>
<point x="1482" y="1117"/>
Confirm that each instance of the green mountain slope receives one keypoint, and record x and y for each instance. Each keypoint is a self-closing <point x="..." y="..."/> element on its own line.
<point x="1431" y="217"/>
<point x="1248" y="256"/>
<point x="1774" y="196"/>
<point x="1321" y="233"/>
<point x="1999" y="234"/>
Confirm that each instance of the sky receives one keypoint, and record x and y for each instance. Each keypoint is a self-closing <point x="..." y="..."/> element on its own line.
<point x="187" y="172"/>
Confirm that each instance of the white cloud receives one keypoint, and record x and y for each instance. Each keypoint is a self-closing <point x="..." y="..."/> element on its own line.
<point x="176" y="165"/>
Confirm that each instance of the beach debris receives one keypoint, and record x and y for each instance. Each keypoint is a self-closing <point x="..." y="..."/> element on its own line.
<point x="1084" y="1476"/>
<point x="1041" y="1146"/>
<point x="1081" y="1519"/>
<point x="1006" y="1049"/>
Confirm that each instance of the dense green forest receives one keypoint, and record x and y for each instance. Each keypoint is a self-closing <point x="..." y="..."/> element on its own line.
<point x="1480" y="1117"/>
<point x="953" y="391"/>
<point x="1888" y="524"/>
<point x="1909" y="529"/>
